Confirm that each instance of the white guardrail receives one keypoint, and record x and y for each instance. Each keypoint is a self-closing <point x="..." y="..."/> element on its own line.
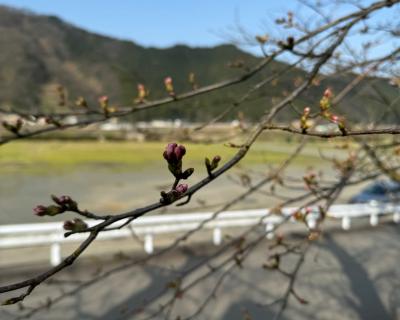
<point x="52" y="233"/>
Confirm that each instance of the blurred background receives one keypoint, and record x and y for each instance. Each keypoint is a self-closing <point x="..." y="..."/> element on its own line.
<point x="60" y="57"/>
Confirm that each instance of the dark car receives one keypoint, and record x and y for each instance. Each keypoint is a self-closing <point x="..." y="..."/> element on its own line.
<point x="380" y="191"/>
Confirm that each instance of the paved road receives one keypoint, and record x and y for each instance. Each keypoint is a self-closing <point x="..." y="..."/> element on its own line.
<point x="347" y="275"/>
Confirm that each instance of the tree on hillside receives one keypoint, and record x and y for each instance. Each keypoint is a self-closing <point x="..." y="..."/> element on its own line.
<point x="360" y="46"/>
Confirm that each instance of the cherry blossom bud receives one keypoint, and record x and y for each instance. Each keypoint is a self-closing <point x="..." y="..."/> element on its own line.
<point x="103" y="100"/>
<point x="304" y="120"/>
<point x="216" y="160"/>
<point x="171" y="196"/>
<point x="179" y="152"/>
<point x="328" y="93"/>
<point x="213" y="164"/>
<point x="340" y="123"/>
<point x="65" y="202"/>
<point x="81" y="102"/>
<point x="169" y="154"/>
<point x="40" y="210"/>
<point x="182" y="188"/>
<point x="334" y="118"/>
<point x="192" y="80"/>
<point x="75" y="225"/>
<point x="47" y="211"/>
<point x="142" y="93"/>
<point x="289" y="43"/>
<point x="169" y="86"/>
<point x="174" y="153"/>
<point x="298" y="215"/>
<point x="262" y="39"/>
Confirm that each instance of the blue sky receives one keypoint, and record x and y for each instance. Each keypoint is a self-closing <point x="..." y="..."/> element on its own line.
<point x="164" y="23"/>
<point x="160" y="22"/>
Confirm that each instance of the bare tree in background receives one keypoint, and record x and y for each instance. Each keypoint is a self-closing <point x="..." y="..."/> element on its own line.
<point x="325" y="48"/>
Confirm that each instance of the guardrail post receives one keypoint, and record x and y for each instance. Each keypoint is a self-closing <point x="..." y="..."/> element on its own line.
<point x="346" y="223"/>
<point x="148" y="244"/>
<point x="396" y="217"/>
<point x="312" y="223"/>
<point x="55" y="254"/>
<point x="217" y="236"/>
<point x="269" y="229"/>
<point x="373" y="219"/>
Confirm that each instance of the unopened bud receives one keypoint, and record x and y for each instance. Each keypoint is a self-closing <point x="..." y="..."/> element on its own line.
<point x="169" y="86"/>
<point x="192" y="80"/>
<point x="174" y="153"/>
<point x="262" y="39"/>
<point x="75" y="225"/>
<point x="40" y="210"/>
<point x="213" y="164"/>
<point x="182" y="188"/>
<point x="65" y="202"/>
<point x="328" y="93"/>
<point x="335" y="119"/>
<point x="81" y="102"/>
<point x="304" y="120"/>
<point x="52" y="210"/>
<point x="142" y="93"/>
<point x="103" y="100"/>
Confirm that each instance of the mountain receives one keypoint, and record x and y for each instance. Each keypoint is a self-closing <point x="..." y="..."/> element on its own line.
<point x="40" y="52"/>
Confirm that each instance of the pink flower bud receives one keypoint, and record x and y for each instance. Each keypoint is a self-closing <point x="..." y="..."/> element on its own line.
<point x="142" y="93"/>
<point x="328" y="93"/>
<point x="168" y="81"/>
<point x="169" y="85"/>
<point x="182" y="188"/>
<point x="306" y="110"/>
<point x="75" y="225"/>
<point x="40" y="210"/>
<point x="334" y="118"/>
<point x="174" y="153"/>
<point x="103" y="99"/>
<point x="179" y="152"/>
<point x="169" y="154"/>
<point x="68" y="225"/>
<point x="62" y="200"/>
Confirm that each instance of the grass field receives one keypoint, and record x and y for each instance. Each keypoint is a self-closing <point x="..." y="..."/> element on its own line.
<point x="46" y="156"/>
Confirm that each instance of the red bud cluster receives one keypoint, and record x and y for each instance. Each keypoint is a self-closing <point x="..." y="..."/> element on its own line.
<point x="63" y="203"/>
<point x="173" y="154"/>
